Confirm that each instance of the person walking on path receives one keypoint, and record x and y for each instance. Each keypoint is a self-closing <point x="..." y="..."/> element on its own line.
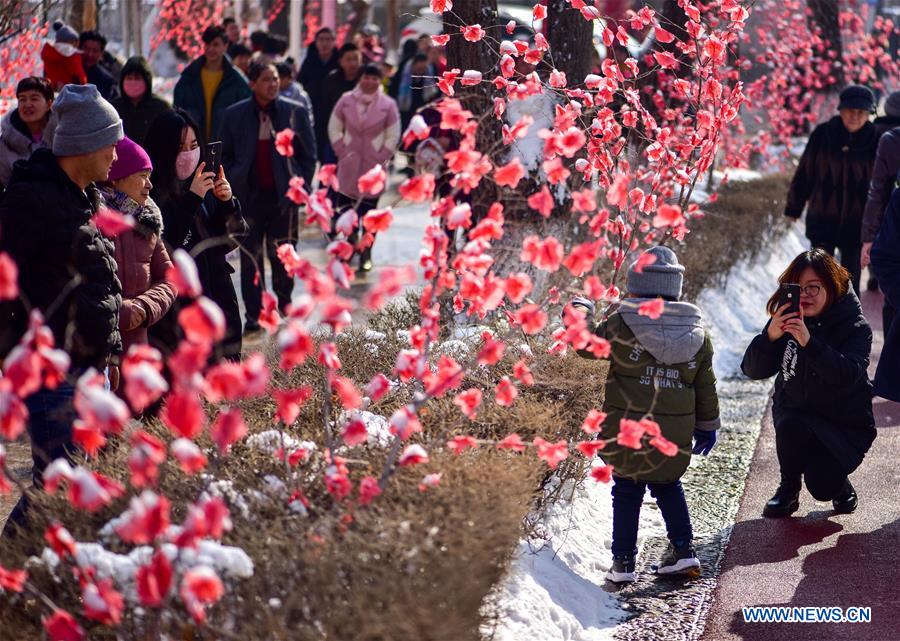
<point x="290" y="88"/>
<point x="141" y="257"/>
<point x="201" y="216"/>
<point x="884" y="178"/>
<point x="413" y="87"/>
<point x="137" y="104"/>
<point x="661" y="368"/>
<point x="260" y="177"/>
<point x="338" y="82"/>
<point x="210" y="84"/>
<point x="833" y="179"/>
<point x="320" y="61"/>
<point x="93" y="46"/>
<point x="62" y="59"/>
<point x="364" y="131"/>
<point x="822" y="406"/>
<point x="67" y="270"/>
<point x="22" y="129"/>
<point x="886" y="265"/>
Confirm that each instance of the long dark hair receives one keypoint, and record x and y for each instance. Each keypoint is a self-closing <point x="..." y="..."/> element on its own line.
<point x="162" y="143"/>
<point x="835" y="278"/>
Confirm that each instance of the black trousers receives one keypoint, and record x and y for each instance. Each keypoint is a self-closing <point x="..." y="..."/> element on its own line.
<point x="270" y="226"/>
<point x="849" y="258"/>
<point x="51" y="413"/>
<point x="802" y="455"/>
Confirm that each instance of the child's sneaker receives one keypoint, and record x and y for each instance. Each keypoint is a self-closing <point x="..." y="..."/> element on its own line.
<point x="622" y="570"/>
<point x="679" y="560"/>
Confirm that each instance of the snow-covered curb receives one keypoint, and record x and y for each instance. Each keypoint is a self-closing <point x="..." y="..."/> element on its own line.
<point x="554" y="589"/>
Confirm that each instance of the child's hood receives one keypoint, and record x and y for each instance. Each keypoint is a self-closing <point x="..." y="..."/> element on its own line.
<point x="675" y="337"/>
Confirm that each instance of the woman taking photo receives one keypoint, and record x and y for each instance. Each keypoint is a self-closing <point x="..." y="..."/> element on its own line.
<point x="201" y="216"/>
<point x="822" y="407"/>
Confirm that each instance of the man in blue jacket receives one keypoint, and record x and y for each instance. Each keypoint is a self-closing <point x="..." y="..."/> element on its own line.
<point x="259" y="177"/>
<point x="210" y="84"/>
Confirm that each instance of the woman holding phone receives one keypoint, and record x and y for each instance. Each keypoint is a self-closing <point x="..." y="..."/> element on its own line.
<point x="822" y="406"/>
<point x="201" y="216"/>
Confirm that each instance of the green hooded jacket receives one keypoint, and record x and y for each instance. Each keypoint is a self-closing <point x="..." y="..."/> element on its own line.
<point x="660" y="369"/>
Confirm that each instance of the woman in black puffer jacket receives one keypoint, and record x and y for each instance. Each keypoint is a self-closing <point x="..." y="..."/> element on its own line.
<point x="822" y="407"/>
<point x="201" y="216"/>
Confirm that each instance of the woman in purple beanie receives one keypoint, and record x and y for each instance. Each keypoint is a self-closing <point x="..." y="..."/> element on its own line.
<point x="141" y="257"/>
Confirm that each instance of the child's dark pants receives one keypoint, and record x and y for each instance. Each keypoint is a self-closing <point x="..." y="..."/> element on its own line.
<point x="627" y="498"/>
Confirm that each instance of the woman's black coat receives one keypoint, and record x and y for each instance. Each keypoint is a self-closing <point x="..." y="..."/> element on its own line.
<point x="824" y="385"/>
<point x="886" y="267"/>
<point x="189" y="221"/>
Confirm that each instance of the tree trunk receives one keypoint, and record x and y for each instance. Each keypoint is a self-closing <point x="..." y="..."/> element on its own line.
<point x="570" y="39"/>
<point x="824" y="18"/>
<point x="83" y="15"/>
<point x="393" y="31"/>
<point x="479" y="56"/>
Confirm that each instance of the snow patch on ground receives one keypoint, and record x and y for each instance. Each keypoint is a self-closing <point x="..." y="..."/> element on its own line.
<point x="530" y="148"/>
<point x="555" y="587"/>
<point x="229" y="562"/>
<point x="554" y="590"/>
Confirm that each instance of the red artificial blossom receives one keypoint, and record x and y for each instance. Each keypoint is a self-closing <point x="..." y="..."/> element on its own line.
<point x="613" y="153"/>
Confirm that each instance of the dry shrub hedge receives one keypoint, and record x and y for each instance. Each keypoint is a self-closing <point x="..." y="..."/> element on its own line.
<point x="414" y="564"/>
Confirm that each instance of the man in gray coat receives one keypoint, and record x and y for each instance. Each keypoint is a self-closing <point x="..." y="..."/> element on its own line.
<point x="260" y="178"/>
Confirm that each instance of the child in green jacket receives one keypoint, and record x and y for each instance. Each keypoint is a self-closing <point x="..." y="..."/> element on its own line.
<point x="661" y="370"/>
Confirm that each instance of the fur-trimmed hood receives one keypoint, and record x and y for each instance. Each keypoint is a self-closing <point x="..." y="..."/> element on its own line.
<point x="148" y="218"/>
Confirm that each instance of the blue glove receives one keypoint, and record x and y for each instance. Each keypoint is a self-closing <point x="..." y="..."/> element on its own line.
<point x="704" y="440"/>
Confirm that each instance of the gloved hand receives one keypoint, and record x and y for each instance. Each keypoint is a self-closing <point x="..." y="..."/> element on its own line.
<point x="704" y="440"/>
<point x="581" y="301"/>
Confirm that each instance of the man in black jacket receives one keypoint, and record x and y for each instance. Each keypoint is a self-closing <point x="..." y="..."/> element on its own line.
<point x="93" y="46"/>
<point x="319" y="62"/>
<point x="66" y="266"/>
<point x="338" y="82"/>
<point x="833" y="179"/>
<point x="259" y="177"/>
<point x="884" y="178"/>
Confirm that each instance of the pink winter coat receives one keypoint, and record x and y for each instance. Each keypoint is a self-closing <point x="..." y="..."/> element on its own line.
<point x="362" y="136"/>
<point x="141" y="265"/>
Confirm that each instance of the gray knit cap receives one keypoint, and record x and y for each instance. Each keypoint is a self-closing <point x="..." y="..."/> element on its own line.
<point x="85" y="122"/>
<point x="661" y="278"/>
<point x="65" y="33"/>
<point x="892" y="105"/>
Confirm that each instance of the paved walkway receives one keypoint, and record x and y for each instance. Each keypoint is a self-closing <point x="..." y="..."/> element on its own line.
<point x="817" y="558"/>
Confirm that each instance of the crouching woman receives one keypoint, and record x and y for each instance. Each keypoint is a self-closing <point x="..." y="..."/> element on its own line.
<point x="822" y="407"/>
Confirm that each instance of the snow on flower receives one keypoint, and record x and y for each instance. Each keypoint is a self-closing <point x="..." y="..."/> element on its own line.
<point x="413" y="454"/>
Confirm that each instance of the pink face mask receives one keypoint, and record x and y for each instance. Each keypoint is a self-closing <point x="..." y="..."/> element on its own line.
<point x="186" y="163"/>
<point x="134" y="88"/>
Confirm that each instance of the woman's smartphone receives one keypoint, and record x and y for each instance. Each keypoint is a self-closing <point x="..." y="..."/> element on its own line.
<point x="789" y="293"/>
<point x="214" y="157"/>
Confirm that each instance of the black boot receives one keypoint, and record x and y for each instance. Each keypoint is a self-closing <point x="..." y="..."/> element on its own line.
<point x="784" y="503"/>
<point x="846" y="500"/>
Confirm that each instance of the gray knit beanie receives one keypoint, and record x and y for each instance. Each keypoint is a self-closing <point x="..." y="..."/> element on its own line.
<point x="85" y="122"/>
<point x="892" y="105"/>
<point x="65" y="33"/>
<point x="661" y="278"/>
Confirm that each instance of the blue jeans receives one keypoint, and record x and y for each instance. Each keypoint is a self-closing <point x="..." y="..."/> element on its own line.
<point x="50" y="417"/>
<point x="627" y="498"/>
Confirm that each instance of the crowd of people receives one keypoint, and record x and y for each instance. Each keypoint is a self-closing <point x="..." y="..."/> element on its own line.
<point x="346" y="105"/>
